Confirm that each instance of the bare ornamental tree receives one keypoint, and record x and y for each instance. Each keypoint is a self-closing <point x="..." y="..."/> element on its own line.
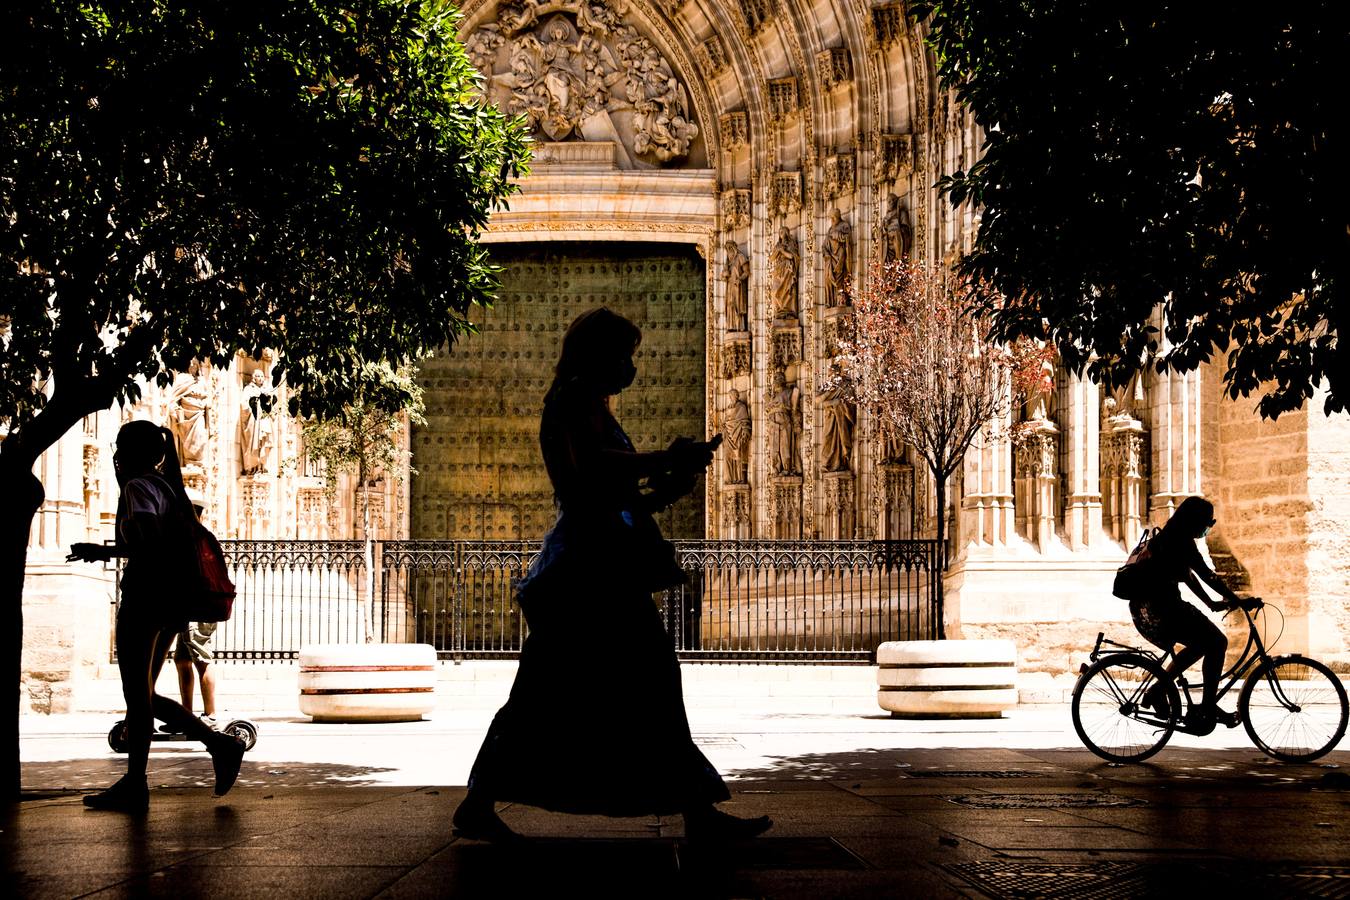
<point x="915" y="359"/>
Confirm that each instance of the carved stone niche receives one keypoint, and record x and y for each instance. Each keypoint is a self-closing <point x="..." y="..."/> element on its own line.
<point x="836" y="324"/>
<point x="736" y="357"/>
<point x="888" y="23"/>
<point x="712" y="54"/>
<point x="736" y="509"/>
<point x="787" y="344"/>
<point x="784" y="102"/>
<point x="834" y="67"/>
<point x="840" y="505"/>
<point x="785" y="507"/>
<point x="736" y="207"/>
<point x="786" y="193"/>
<point x="756" y="13"/>
<point x="840" y="173"/>
<point x="894" y="157"/>
<point x="735" y="129"/>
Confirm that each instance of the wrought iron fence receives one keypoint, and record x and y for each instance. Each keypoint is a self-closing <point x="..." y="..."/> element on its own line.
<point x="767" y="600"/>
<point x="808" y="600"/>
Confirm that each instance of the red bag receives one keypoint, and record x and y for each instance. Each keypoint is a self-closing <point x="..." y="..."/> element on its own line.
<point x="211" y="597"/>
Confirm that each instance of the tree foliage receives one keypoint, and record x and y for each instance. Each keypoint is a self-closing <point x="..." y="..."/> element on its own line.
<point x="913" y="356"/>
<point x="181" y="180"/>
<point x="1160" y="152"/>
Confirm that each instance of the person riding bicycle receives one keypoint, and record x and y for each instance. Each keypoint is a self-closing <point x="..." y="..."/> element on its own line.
<point x="1166" y="620"/>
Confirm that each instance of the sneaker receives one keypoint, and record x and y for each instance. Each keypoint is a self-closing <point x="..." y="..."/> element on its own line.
<point x="226" y="757"/>
<point x="1201" y="720"/>
<point x="1227" y="719"/>
<point x="209" y="722"/>
<point x="1155" y="698"/>
<point x="476" y="822"/>
<point x="121" y="797"/>
<point x="166" y="728"/>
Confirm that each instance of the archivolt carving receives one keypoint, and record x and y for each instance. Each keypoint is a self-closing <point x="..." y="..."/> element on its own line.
<point x="784" y="101"/>
<point x="888" y="23"/>
<point x="576" y="70"/>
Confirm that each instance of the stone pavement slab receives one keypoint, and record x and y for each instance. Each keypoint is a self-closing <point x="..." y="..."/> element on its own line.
<point x="863" y="806"/>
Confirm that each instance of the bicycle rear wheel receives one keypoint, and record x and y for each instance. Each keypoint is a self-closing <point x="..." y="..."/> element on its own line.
<point x="1107" y="713"/>
<point x="1294" y="709"/>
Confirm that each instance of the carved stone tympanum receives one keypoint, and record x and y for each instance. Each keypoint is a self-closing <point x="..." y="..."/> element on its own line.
<point x="580" y="72"/>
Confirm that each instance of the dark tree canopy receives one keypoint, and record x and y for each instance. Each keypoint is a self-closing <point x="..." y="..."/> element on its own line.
<point x="1186" y="153"/>
<point x="184" y="179"/>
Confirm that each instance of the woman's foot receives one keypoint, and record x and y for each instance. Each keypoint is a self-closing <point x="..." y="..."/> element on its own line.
<point x="124" y="796"/>
<point x="227" y="754"/>
<point x="714" y="826"/>
<point x="1155" y="698"/>
<point x="478" y="821"/>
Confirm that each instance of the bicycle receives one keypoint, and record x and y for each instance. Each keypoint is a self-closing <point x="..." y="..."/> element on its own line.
<point x="1293" y="708"/>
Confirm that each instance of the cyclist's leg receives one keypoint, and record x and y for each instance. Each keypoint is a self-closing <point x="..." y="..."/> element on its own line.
<point x="1201" y="639"/>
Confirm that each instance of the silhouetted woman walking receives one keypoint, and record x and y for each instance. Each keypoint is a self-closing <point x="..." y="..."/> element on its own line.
<point x="151" y="535"/>
<point x="596" y="721"/>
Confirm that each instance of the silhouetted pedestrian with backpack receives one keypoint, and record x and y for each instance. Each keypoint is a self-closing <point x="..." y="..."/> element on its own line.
<point x="596" y="721"/>
<point x="153" y="536"/>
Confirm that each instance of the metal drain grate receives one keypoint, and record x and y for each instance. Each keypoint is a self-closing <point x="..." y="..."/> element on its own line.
<point x="1330" y="882"/>
<point x="971" y="773"/>
<point x="1042" y="801"/>
<point x="1025" y="879"/>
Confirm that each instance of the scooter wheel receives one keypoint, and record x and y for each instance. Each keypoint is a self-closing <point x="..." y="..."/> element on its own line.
<point x="245" y="730"/>
<point x="117" y="737"/>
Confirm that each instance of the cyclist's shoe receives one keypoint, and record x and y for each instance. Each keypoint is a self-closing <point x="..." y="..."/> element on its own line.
<point x="1227" y="719"/>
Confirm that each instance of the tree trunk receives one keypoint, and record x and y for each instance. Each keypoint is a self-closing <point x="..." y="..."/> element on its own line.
<point x="363" y="497"/>
<point x="23" y="498"/>
<point x="940" y="487"/>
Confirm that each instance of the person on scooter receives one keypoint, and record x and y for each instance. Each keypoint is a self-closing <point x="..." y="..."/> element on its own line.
<point x="1166" y="620"/>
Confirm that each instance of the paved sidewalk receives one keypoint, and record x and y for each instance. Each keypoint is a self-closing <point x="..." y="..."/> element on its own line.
<point x="864" y="805"/>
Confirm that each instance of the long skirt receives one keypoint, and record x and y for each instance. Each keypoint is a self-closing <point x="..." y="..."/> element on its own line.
<point x="596" y="722"/>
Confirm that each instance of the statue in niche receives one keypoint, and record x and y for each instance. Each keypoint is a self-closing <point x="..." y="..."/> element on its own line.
<point x="738" y="287"/>
<point x="1125" y="403"/>
<point x="895" y="230"/>
<point x="837" y="441"/>
<point x="838" y="260"/>
<point x="786" y="421"/>
<point x="569" y="77"/>
<point x="255" y="425"/>
<point x="784" y="261"/>
<point x="190" y="415"/>
<point x="1040" y="393"/>
<point x="736" y="427"/>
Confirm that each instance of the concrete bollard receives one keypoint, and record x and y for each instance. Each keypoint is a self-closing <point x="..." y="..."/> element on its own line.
<point x="367" y="682"/>
<point x="947" y="679"/>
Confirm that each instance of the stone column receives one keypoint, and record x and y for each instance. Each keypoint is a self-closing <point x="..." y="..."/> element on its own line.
<point x="1176" y="424"/>
<point x="1083" y="501"/>
<point x="1037" y="482"/>
<point x="987" y="497"/>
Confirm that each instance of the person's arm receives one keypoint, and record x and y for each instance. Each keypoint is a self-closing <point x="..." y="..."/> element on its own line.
<point x="1200" y="573"/>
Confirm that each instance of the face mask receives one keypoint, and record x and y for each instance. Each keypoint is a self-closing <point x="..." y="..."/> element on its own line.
<point x="1205" y="533"/>
<point x="623" y="376"/>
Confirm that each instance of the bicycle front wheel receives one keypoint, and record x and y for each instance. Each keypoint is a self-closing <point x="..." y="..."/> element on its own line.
<point x="1106" y="708"/>
<point x="1294" y="709"/>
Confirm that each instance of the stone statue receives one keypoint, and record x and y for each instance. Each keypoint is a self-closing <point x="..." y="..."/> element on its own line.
<point x="837" y="441"/>
<point x="895" y="231"/>
<point x="786" y="421"/>
<point x="784" y="262"/>
<point x="1039" y="396"/>
<point x="736" y="427"/>
<point x="838" y="260"/>
<point x="738" y="287"/>
<point x="255" y="426"/>
<point x="190" y="415"/>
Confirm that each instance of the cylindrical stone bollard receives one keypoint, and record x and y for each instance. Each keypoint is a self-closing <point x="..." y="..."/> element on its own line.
<point x="947" y="679"/>
<point x="367" y="682"/>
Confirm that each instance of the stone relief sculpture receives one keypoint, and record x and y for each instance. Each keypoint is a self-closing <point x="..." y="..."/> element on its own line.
<point x="837" y="441"/>
<point x="190" y="415"/>
<point x="255" y="426"/>
<point x="736" y="427"/>
<point x="896" y="233"/>
<point x="838" y="260"/>
<point x="738" y="287"/>
<point x="784" y="262"/>
<point x="786" y="421"/>
<point x="583" y="73"/>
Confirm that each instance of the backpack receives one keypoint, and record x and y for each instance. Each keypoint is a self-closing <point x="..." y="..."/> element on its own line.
<point x="1134" y="578"/>
<point x="206" y="593"/>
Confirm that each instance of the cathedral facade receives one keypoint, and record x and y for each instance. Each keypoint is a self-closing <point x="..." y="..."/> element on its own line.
<point x="726" y="171"/>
